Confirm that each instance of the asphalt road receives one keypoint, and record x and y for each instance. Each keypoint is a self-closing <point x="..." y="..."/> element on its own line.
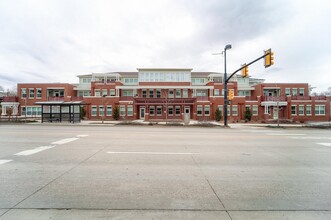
<point x="155" y="172"/>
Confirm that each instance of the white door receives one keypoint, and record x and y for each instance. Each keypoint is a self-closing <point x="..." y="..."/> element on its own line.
<point x="187" y="112"/>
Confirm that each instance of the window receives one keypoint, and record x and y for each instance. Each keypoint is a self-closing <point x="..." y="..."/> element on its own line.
<point x="287" y="91"/>
<point x="294" y="91"/>
<point x="97" y="92"/>
<point x="23" y="110"/>
<point x="31" y="93"/>
<point x="122" y="110"/>
<point x="39" y="93"/>
<point x="202" y="93"/>
<point x="301" y="91"/>
<point x="130" y="110"/>
<point x="216" y="92"/>
<point x="104" y="92"/>
<point x="177" y="110"/>
<point x="94" y="111"/>
<point x="220" y="108"/>
<point x="127" y="93"/>
<point x="234" y="110"/>
<point x="151" y="93"/>
<point x="199" y="110"/>
<point x="112" y="92"/>
<point x="151" y="110"/>
<point x="178" y="93"/>
<point x="159" y="110"/>
<point x="144" y="94"/>
<point x="171" y="94"/>
<point x="207" y="110"/>
<point x="293" y="110"/>
<point x="308" y="109"/>
<point x="170" y="110"/>
<point x="31" y="111"/>
<point x="229" y="113"/>
<point x="130" y="81"/>
<point x="101" y="111"/>
<point x="185" y="93"/>
<point x="23" y="92"/>
<point x="198" y="81"/>
<point x="301" y="110"/>
<point x="255" y="110"/>
<point x="158" y="94"/>
<point x="109" y="110"/>
<point x="319" y="109"/>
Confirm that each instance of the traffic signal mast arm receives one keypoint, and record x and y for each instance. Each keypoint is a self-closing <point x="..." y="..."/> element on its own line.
<point x="244" y="66"/>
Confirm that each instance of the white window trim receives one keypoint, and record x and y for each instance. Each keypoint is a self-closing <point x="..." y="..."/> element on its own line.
<point x="129" y="114"/>
<point x="310" y="110"/>
<point x="109" y="106"/>
<point x="319" y="110"/>
<point x="303" y="110"/>
<point x="199" y="106"/>
<point x="235" y="113"/>
<point x="96" y="110"/>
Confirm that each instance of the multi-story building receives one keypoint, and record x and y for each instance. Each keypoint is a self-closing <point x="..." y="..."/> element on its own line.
<point x="173" y="94"/>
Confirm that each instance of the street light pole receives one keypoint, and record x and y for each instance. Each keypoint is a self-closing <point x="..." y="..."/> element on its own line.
<point x="227" y="47"/>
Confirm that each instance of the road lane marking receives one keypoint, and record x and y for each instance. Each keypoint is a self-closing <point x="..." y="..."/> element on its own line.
<point x="33" y="151"/>
<point x="325" y="144"/>
<point x="259" y="131"/>
<point x="152" y="153"/>
<point x="4" y="161"/>
<point x="313" y="138"/>
<point x="64" y="141"/>
<point x="271" y="134"/>
<point x="82" y="135"/>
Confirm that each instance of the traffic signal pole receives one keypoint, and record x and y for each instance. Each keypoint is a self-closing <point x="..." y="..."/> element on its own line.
<point x="226" y="80"/>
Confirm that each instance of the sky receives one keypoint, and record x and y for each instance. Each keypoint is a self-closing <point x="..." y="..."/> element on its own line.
<point x="45" y="41"/>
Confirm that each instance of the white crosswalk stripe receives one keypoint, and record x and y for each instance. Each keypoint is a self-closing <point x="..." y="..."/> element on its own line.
<point x="325" y="144"/>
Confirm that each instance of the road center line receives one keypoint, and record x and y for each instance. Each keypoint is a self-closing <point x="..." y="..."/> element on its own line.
<point x="285" y="134"/>
<point x="152" y="153"/>
<point x="82" y="135"/>
<point x="312" y="138"/>
<point x="64" y="141"/>
<point x="4" y="161"/>
<point x="33" y="151"/>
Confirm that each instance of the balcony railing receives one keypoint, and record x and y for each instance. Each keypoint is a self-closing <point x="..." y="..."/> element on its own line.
<point x="322" y="97"/>
<point x="56" y="98"/>
<point x="10" y="99"/>
<point x="250" y="98"/>
<point x="164" y="101"/>
<point x="202" y="98"/>
<point x="126" y="98"/>
<point x="273" y="99"/>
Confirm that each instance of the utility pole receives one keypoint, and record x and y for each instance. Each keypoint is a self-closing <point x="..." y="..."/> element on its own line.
<point x="227" y="47"/>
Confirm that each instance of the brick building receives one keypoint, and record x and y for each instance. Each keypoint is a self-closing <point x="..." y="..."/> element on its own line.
<point x="172" y="94"/>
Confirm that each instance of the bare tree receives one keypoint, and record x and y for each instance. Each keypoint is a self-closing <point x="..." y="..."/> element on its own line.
<point x="12" y="91"/>
<point x="9" y="112"/>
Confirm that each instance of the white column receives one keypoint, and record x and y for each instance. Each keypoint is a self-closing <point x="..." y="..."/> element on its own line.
<point x="3" y="110"/>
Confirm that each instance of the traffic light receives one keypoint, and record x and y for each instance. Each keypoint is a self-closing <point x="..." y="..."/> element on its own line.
<point x="231" y="94"/>
<point x="244" y="71"/>
<point x="269" y="58"/>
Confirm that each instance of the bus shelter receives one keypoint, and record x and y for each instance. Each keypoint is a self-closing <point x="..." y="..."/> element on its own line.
<point x="61" y="111"/>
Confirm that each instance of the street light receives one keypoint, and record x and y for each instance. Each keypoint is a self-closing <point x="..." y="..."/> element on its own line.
<point x="227" y="47"/>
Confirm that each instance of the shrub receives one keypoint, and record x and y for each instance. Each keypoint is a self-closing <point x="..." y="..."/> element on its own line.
<point x="218" y="115"/>
<point x="116" y="113"/>
<point x="248" y="114"/>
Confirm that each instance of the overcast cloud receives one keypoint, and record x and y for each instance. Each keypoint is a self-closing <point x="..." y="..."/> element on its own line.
<point x="56" y="40"/>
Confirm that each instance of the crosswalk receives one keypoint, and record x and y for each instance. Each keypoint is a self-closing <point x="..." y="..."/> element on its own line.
<point x="42" y="148"/>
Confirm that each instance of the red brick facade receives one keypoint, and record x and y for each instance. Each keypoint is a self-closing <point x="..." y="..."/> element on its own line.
<point x="161" y="101"/>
